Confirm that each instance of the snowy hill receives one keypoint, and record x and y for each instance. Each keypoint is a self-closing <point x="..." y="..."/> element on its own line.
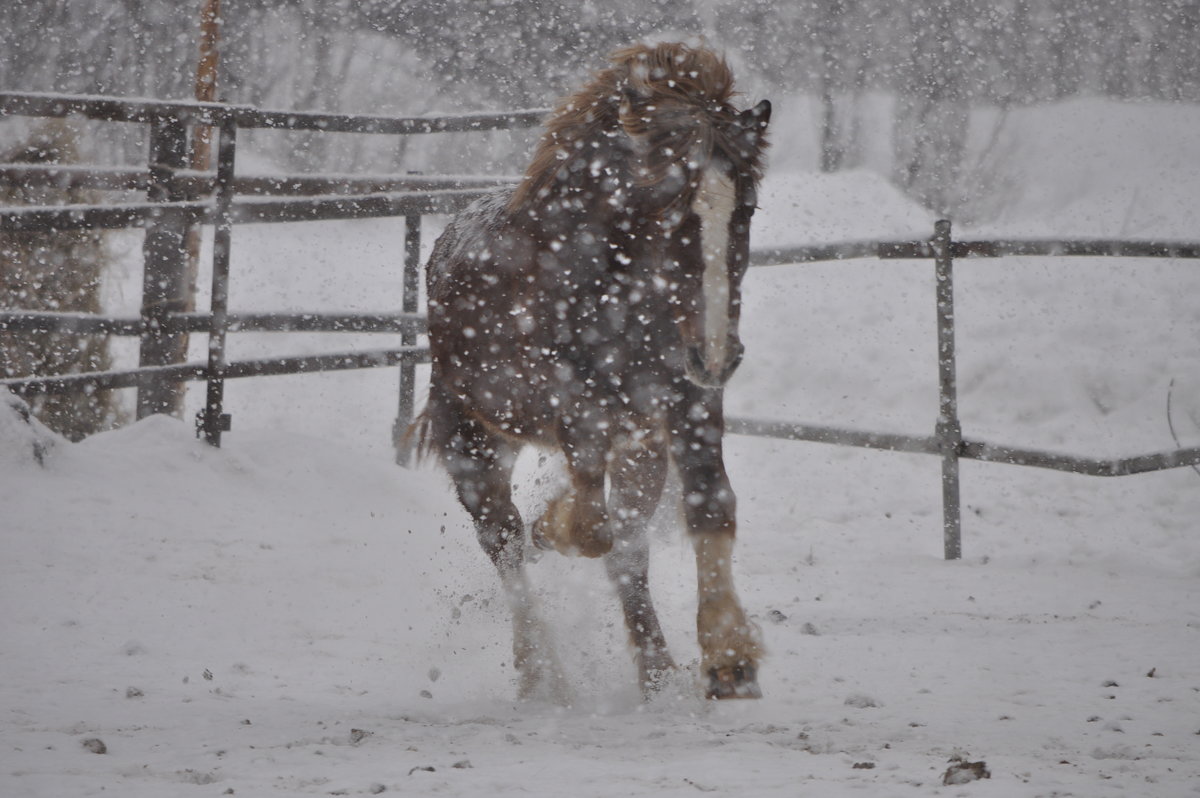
<point x="292" y="614"/>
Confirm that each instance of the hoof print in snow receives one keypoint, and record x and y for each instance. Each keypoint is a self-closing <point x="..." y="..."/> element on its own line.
<point x="377" y="788"/>
<point x="961" y="772"/>
<point x="863" y="766"/>
<point x="200" y="778"/>
<point x="775" y="616"/>
<point x="133" y="648"/>
<point x="809" y="629"/>
<point x="862" y="701"/>
<point x="134" y="692"/>
<point x="462" y="764"/>
<point x="358" y="735"/>
<point x="95" y="745"/>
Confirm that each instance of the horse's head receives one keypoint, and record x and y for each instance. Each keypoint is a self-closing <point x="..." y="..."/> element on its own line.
<point x="708" y="248"/>
<point x="659" y="122"/>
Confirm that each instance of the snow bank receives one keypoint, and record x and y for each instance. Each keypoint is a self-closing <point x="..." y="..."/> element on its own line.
<point x="288" y="616"/>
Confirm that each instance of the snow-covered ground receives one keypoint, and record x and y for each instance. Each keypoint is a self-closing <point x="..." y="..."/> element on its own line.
<point x="293" y="614"/>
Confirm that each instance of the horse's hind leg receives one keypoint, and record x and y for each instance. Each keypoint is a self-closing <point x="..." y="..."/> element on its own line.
<point x="480" y="464"/>
<point x="636" y="477"/>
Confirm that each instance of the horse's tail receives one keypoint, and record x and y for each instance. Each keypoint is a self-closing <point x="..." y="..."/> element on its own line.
<point x="427" y="436"/>
<point x="417" y="438"/>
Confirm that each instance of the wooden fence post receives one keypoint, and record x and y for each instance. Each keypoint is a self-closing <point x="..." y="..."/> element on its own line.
<point x="165" y="286"/>
<point x="212" y="421"/>
<point x="949" y="430"/>
<point x="408" y="370"/>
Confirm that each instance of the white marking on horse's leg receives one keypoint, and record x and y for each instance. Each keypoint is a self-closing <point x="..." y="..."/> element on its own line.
<point x="715" y="197"/>
<point x="553" y="529"/>
<point x="729" y="641"/>
<point x="540" y="676"/>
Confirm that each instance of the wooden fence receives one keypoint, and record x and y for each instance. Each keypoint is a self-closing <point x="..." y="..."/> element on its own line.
<point x="178" y="199"/>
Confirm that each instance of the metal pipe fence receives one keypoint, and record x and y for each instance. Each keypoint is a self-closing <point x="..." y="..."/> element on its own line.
<point x="178" y="198"/>
<point x="947" y="441"/>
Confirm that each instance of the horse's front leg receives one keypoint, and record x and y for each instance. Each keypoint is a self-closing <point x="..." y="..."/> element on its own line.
<point x="729" y="642"/>
<point x="576" y="522"/>
<point x="636" y="475"/>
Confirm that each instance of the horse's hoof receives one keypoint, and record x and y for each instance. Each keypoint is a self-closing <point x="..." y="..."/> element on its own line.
<point x="738" y="681"/>
<point x="655" y="681"/>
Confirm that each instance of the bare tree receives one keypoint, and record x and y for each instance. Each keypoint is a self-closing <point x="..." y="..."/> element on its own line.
<point x="930" y="124"/>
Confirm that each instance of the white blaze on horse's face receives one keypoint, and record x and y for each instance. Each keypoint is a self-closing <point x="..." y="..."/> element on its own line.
<point x="714" y="202"/>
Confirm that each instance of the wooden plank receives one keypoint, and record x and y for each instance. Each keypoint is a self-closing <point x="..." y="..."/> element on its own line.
<point x="357" y="123"/>
<point x="948" y="430"/>
<point x="310" y="185"/>
<point x="165" y="285"/>
<point x="110" y="109"/>
<point x="969" y="450"/>
<point x="212" y="418"/>
<point x="275" y="366"/>
<point x="99" y="217"/>
<point x="313" y="322"/>
<point x="921" y="250"/>
<point x="94" y="324"/>
<point x="75" y="177"/>
<point x="192" y="184"/>
<point x="1076" y="248"/>
<point x="78" y="323"/>
<point x="836" y="436"/>
<point x="308" y="364"/>
<point x="351" y="207"/>
<point x="246" y="210"/>
<point x="1074" y="464"/>
<point x="123" y="109"/>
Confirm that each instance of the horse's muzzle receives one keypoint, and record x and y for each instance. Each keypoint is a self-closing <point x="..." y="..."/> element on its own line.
<point x="698" y="372"/>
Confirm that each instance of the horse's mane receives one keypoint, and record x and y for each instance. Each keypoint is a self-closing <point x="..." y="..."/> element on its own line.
<point x="672" y="100"/>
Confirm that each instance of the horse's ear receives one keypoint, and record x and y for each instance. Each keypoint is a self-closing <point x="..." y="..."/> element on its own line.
<point x="751" y="128"/>
<point x="762" y="112"/>
<point x="754" y="120"/>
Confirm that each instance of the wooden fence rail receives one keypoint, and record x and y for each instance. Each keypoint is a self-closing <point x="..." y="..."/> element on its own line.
<point x="178" y="198"/>
<point x="195" y="184"/>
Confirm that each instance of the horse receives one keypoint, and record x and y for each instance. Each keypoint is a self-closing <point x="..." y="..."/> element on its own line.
<point x="593" y="310"/>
